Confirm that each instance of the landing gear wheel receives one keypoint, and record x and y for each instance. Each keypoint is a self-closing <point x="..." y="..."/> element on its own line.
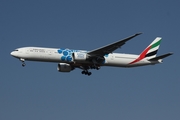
<point x="86" y="73"/>
<point x="89" y="73"/>
<point x="83" y="72"/>
<point x="97" y="68"/>
<point x="23" y="64"/>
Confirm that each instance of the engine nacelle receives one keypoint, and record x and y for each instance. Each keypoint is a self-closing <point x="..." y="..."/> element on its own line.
<point x="64" y="67"/>
<point x="79" y="56"/>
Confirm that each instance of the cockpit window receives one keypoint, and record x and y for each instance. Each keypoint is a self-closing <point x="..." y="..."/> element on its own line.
<point x="16" y="50"/>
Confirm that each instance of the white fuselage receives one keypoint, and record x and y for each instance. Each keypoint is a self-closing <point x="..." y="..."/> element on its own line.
<point x="65" y="56"/>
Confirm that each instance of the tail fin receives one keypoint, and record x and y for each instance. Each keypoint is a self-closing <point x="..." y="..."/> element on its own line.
<point x="150" y="52"/>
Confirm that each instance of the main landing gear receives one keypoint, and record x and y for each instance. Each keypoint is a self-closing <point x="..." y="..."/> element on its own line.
<point x="86" y="72"/>
<point x="23" y="62"/>
<point x="86" y="68"/>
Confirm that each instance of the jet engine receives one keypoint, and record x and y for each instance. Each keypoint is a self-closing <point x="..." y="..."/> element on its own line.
<point x="64" y="67"/>
<point x="80" y="56"/>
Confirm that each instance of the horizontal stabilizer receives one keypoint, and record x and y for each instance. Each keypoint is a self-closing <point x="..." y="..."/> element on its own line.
<point x="160" y="57"/>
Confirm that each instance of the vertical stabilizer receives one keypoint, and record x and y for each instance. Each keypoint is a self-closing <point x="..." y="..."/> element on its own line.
<point x="152" y="49"/>
<point x="150" y="52"/>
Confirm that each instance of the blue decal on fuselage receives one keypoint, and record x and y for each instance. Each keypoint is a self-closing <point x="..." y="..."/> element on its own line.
<point x="63" y="58"/>
<point x="69" y="58"/>
<point x="67" y="54"/>
<point x="60" y="51"/>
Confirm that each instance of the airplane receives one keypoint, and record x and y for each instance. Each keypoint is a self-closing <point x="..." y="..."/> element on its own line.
<point x="69" y="59"/>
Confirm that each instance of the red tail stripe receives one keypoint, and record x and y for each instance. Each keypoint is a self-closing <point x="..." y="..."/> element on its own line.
<point x="142" y="55"/>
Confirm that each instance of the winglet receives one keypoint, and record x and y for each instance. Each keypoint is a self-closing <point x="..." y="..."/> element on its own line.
<point x="138" y="33"/>
<point x="161" y="57"/>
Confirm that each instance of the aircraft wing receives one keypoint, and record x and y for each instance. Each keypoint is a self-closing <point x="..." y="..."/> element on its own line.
<point x="111" y="47"/>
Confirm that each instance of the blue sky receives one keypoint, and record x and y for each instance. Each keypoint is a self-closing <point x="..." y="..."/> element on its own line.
<point x="38" y="91"/>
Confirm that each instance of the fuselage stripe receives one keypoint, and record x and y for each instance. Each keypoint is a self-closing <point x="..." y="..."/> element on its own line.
<point x="142" y="55"/>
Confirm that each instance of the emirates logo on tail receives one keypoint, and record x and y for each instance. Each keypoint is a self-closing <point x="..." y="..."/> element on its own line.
<point x="150" y="52"/>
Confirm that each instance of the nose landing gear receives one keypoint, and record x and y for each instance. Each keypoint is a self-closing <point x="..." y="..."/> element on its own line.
<point x="23" y="62"/>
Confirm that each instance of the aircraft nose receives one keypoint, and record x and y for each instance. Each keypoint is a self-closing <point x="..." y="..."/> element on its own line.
<point x="12" y="53"/>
